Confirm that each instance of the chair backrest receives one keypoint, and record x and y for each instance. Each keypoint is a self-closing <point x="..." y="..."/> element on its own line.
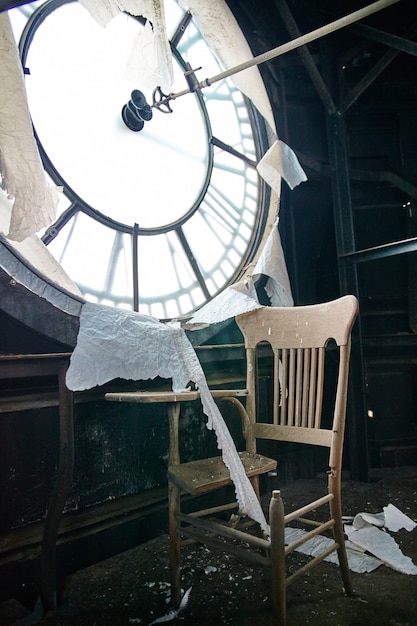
<point x="299" y="338"/>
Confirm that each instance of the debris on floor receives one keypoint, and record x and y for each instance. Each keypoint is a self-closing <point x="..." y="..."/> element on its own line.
<point x="133" y="587"/>
<point x="369" y="532"/>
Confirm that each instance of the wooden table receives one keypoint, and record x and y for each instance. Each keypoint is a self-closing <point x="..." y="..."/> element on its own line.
<point x="173" y="401"/>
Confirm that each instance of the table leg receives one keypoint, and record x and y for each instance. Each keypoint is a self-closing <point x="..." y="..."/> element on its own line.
<point x="60" y="493"/>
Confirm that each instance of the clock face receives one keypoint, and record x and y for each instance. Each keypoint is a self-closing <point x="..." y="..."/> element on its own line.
<point x="158" y="220"/>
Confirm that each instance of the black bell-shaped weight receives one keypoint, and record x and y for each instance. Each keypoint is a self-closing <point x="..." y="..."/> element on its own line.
<point x="131" y="120"/>
<point x="138" y="99"/>
<point x="146" y="112"/>
<point x="136" y="111"/>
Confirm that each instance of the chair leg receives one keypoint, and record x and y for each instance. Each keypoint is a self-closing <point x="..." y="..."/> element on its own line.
<point x="343" y="562"/>
<point x="276" y="520"/>
<point x="341" y="552"/>
<point x="339" y="536"/>
<point x="174" y="544"/>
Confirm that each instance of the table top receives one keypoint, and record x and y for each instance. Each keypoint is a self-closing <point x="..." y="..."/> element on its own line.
<point x="152" y="396"/>
<point x="170" y="396"/>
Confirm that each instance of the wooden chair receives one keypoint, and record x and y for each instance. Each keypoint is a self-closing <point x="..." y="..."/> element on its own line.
<point x="303" y="411"/>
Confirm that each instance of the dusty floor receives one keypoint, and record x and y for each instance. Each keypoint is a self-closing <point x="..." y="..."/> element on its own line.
<point x="132" y="587"/>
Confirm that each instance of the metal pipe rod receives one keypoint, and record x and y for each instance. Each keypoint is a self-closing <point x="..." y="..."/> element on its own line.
<point x="290" y="45"/>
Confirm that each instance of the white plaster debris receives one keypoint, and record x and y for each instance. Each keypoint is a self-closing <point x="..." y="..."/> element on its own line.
<point x="369" y="544"/>
<point x="396" y="520"/>
<point x="369" y="532"/>
<point x="359" y="562"/>
<point x="364" y="525"/>
<point x="172" y="614"/>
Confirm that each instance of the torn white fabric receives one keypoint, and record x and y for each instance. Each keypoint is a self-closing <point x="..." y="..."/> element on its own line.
<point x="383" y="546"/>
<point x="368" y="532"/>
<point x="150" y="61"/>
<point x="144" y="66"/>
<point x="279" y="162"/>
<point x="102" y="11"/>
<point x="35" y="201"/>
<point x="358" y="561"/>
<point x="271" y="263"/>
<point x="391" y="518"/>
<point x="239" y="298"/>
<point x="33" y="250"/>
<point x="396" y="520"/>
<point x="362" y="520"/>
<point x="246" y="497"/>
<point x="113" y="343"/>
<point x="365" y="535"/>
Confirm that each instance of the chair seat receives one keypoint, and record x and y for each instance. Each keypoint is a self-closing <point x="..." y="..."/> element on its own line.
<point x="204" y="475"/>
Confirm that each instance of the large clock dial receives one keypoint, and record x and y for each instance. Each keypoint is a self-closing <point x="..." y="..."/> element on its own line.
<point x="159" y="220"/>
